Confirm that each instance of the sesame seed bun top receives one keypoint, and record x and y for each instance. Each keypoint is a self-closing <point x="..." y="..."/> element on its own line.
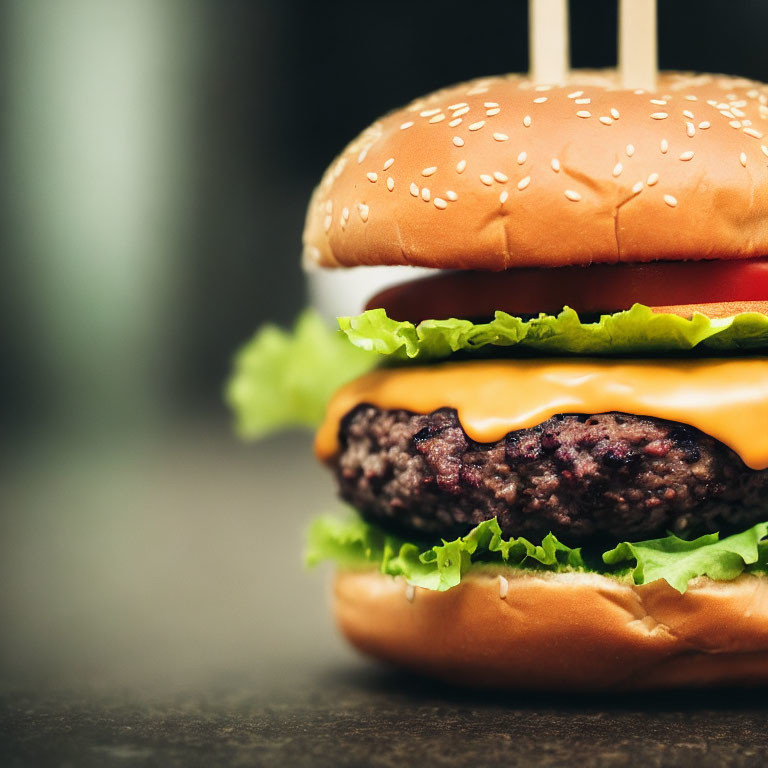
<point x="500" y="173"/>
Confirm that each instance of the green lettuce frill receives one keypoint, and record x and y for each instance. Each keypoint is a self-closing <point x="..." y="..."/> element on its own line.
<point x="283" y="379"/>
<point x="637" y="331"/>
<point x="353" y="543"/>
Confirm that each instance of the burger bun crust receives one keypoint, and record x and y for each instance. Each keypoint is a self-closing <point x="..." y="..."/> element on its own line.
<point x="499" y="173"/>
<point x="561" y="631"/>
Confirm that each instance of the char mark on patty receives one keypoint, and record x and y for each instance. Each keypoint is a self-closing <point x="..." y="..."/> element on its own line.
<point x="587" y="478"/>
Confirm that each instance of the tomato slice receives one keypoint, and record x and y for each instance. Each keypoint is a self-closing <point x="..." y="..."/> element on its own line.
<point x="727" y="287"/>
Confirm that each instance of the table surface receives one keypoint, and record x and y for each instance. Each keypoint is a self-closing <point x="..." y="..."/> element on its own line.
<point x="155" y="612"/>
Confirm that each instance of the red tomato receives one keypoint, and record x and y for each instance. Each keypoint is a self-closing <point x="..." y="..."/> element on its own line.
<point x="673" y="286"/>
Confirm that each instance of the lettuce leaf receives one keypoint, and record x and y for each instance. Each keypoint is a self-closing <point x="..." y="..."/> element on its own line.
<point x="678" y="561"/>
<point x="284" y="379"/>
<point x="635" y="331"/>
<point x="355" y="543"/>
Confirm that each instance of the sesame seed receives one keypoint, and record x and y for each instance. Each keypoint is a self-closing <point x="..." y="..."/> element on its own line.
<point x="617" y="169"/>
<point x="652" y="179"/>
<point x="523" y="183"/>
<point x="664" y="146"/>
<point x="737" y="112"/>
<point x="527" y="121"/>
<point x="492" y="112"/>
<point x="605" y="120"/>
<point x="388" y="163"/>
<point x="615" y="113"/>
<point x="500" y="136"/>
<point x="403" y="126"/>
<point x="428" y="171"/>
<point x="583" y="113"/>
<point x="461" y="111"/>
<point x="437" y="118"/>
<point x="704" y="125"/>
<point x="460" y="166"/>
<point x="428" y="112"/>
<point x="660" y="102"/>
<point x="746" y="123"/>
<point x="372" y="177"/>
<point x="425" y="194"/>
<point x="328" y="222"/>
<point x="362" y="155"/>
<point x="659" y="115"/>
<point x="363" y="211"/>
<point x="543" y="87"/>
<point x="345" y="213"/>
<point x="477" y="126"/>
<point x="503" y="196"/>
<point x="410" y="592"/>
<point x="630" y="150"/>
<point x="414" y="189"/>
<point x="687" y="113"/>
<point x="727" y="113"/>
<point x="573" y="196"/>
<point x="555" y="165"/>
<point x="457" y="106"/>
<point x="440" y="203"/>
<point x="502" y="178"/>
<point x="458" y="141"/>
<point x="390" y="183"/>
<point x="670" y="200"/>
<point x="764" y="149"/>
<point x="637" y="187"/>
<point x="753" y="133"/>
<point x="690" y="129"/>
<point x="486" y="179"/>
<point x="490" y="104"/>
<point x="451" y="195"/>
<point x="691" y="97"/>
<point x="540" y="100"/>
<point x="583" y="101"/>
<point x="743" y="159"/>
<point x="735" y="124"/>
<point x="329" y="206"/>
<point x="503" y="587"/>
<point x="686" y="155"/>
<point x="454" y="123"/>
<point x="575" y="94"/>
<point x="522" y="157"/>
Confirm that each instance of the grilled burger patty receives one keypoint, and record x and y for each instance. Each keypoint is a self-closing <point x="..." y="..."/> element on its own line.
<point x="586" y="478"/>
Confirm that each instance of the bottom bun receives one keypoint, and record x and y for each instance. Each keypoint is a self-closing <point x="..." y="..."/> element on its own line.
<point x="505" y="628"/>
<point x="714" y="311"/>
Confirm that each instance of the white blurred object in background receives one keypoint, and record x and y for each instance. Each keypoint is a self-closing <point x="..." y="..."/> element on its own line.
<point x="335" y="292"/>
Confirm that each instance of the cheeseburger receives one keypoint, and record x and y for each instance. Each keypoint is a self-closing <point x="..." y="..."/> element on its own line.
<point x="559" y="466"/>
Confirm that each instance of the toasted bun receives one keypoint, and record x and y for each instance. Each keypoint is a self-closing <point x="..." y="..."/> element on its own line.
<point x="499" y="173"/>
<point x="562" y="631"/>
<point x="717" y="309"/>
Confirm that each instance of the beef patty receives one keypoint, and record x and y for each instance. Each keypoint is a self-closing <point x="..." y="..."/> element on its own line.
<point x="587" y="478"/>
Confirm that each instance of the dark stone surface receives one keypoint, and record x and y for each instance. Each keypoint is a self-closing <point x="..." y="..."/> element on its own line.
<point x="366" y="716"/>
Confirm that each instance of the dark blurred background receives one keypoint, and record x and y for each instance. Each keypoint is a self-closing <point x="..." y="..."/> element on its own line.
<point x="156" y="158"/>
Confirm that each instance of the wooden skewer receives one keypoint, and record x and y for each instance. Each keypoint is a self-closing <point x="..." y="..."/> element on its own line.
<point x="638" y="57"/>
<point x="548" y="40"/>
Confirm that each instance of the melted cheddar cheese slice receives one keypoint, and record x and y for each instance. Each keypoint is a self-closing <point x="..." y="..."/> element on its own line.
<point x="725" y="398"/>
